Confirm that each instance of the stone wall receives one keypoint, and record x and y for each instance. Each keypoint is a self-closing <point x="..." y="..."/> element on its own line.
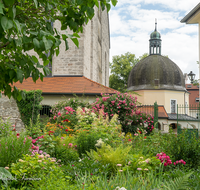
<point x="9" y="109"/>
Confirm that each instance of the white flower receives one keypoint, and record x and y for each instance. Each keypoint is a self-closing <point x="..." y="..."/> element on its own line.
<point x="99" y="143"/>
<point x="122" y="188"/>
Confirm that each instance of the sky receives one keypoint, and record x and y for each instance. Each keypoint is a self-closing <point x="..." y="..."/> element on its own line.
<point x="132" y="22"/>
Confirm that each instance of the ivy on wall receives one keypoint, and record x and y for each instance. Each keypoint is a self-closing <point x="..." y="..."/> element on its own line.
<point x="30" y="107"/>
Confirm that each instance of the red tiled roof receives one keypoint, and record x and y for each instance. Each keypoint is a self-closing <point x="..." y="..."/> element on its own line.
<point x="194" y="93"/>
<point x="150" y="110"/>
<point x="65" y="85"/>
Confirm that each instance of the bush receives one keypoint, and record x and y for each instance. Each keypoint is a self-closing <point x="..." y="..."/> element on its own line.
<point x="30" y="107"/>
<point x="5" y="128"/>
<point x="65" y="110"/>
<point x="13" y="147"/>
<point x="86" y="141"/>
<point x="108" y="155"/>
<point x="182" y="147"/>
<point x="33" y="168"/>
<point x="125" y="106"/>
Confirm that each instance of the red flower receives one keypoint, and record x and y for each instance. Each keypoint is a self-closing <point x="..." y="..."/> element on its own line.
<point x="129" y="139"/>
<point x="66" y="120"/>
<point x="66" y="130"/>
<point x="17" y="134"/>
<point x="140" y="132"/>
<point x="145" y="137"/>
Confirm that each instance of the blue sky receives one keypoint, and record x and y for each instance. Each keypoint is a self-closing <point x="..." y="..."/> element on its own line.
<point x="132" y="21"/>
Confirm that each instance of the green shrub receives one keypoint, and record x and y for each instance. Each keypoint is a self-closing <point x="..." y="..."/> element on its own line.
<point x="184" y="147"/>
<point x="5" y="128"/>
<point x="108" y="155"/>
<point x="65" y="150"/>
<point x="86" y="141"/>
<point x="13" y="147"/>
<point x="35" y="168"/>
<point x="30" y="107"/>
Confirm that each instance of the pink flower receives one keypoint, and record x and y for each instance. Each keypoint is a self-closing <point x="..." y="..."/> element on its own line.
<point x="70" y="144"/>
<point x="105" y="98"/>
<point x="54" y="117"/>
<point x="59" y="114"/>
<point x="139" y="168"/>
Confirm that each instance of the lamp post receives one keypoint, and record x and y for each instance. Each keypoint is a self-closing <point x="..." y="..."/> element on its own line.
<point x="191" y="76"/>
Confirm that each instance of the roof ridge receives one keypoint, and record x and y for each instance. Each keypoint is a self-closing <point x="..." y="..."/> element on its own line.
<point x="99" y="84"/>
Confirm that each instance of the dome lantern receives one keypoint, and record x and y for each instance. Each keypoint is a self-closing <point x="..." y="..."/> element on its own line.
<point x="155" y="42"/>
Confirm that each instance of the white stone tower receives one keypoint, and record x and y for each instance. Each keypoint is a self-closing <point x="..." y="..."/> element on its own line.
<point x="91" y="59"/>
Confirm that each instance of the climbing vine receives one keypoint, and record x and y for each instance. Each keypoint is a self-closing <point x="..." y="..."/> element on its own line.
<point x="30" y="107"/>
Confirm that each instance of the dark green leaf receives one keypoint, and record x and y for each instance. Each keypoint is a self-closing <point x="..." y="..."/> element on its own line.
<point x="45" y="63"/>
<point x="20" y="75"/>
<point x="12" y="74"/>
<point x="46" y="71"/>
<point x="75" y="40"/>
<point x="17" y="25"/>
<point x="36" y="43"/>
<point x="9" y="3"/>
<point x="6" y="23"/>
<point x="1" y="8"/>
<point x="66" y="45"/>
<point x="57" y="52"/>
<point x="35" y="59"/>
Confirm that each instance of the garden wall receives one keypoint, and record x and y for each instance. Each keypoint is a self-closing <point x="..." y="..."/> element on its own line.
<point x="9" y="109"/>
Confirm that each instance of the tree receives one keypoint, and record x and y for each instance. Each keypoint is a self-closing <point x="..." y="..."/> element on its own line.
<point x="120" y="69"/>
<point x="26" y="25"/>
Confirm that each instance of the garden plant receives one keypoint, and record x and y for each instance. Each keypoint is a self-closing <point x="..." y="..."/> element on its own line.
<point x="108" y="144"/>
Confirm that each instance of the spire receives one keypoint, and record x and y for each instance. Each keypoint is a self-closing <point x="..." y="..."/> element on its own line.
<point x="155" y="25"/>
<point x="155" y="41"/>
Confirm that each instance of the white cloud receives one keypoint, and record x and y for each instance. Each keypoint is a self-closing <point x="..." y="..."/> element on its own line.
<point x="131" y="24"/>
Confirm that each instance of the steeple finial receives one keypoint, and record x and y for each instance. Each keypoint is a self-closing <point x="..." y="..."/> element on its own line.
<point x="155" y="24"/>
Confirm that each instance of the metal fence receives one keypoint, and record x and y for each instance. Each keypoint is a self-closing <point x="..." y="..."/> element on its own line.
<point x="188" y="118"/>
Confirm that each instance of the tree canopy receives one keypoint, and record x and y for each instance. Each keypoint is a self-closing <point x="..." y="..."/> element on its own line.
<point x="120" y="69"/>
<point x="26" y="25"/>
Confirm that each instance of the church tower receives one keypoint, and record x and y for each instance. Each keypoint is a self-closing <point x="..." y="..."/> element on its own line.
<point x="91" y="59"/>
<point x="155" y="42"/>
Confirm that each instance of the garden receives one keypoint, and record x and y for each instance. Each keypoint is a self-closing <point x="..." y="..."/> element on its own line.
<point x="108" y="144"/>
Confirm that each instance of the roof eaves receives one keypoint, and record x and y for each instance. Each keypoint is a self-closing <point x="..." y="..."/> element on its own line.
<point x="190" y="14"/>
<point x="100" y="84"/>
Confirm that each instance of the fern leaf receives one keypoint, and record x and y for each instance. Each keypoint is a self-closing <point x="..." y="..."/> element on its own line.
<point x="179" y="183"/>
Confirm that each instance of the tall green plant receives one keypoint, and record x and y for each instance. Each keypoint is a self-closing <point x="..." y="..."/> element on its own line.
<point x="13" y="147"/>
<point x="29" y="107"/>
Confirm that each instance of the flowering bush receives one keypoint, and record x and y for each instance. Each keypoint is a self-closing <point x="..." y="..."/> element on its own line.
<point x="138" y="162"/>
<point x="125" y="105"/>
<point x="164" y="158"/>
<point x="167" y="161"/>
<point x="35" y="167"/>
<point x="66" y="110"/>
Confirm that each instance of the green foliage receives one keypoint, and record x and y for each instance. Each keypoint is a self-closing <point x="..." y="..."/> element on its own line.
<point x="24" y="26"/>
<point x="182" y="147"/>
<point x="5" y="176"/>
<point x="36" y="167"/>
<point x="120" y="69"/>
<point x="59" y="107"/>
<point x="108" y="155"/>
<point x="125" y="106"/>
<point x="86" y="141"/>
<point x="75" y="170"/>
<point x="13" y="147"/>
<point x="141" y="163"/>
<point x="5" y="128"/>
<point x="29" y="107"/>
